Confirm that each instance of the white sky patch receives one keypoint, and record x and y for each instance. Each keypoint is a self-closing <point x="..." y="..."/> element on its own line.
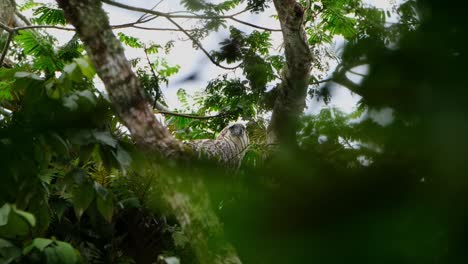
<point x="383" y="117"/>
<point x="194" y="63"/>
<point x="322" y="139"/>
<point x="357" y="74"/>
<point x="364" y="161"/>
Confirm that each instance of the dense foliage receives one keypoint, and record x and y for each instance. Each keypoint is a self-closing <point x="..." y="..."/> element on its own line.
<point x="74" y="189"/>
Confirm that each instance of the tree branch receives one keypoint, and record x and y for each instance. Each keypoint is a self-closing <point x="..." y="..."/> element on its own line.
<point x="7" y="45"/>
<point x="23" y="18"/>
<point x="322" y="81"/>
<point x="126" y="25"/>
<point x="192" y="209"/>
<point x="107" y="55"/>
<point x="193" y="16"/>
<point x="200" y="46"/>
<point x="254" y="26"/>
<point x="291" y="99"/>
<point x="190" y="116"/>
<point x="162" y="29"/>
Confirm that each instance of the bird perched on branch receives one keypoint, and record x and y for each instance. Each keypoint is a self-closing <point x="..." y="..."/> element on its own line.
<point x="228" y="148"/>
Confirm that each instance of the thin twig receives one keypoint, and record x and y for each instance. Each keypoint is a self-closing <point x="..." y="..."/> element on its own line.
<point x="5" y="27"/>
<point x="322" y="81"/>
<point x="193" y="16"/>
<point x="162" y="29"/>
<point x="5" y="112"/>
<point x="43" y="26"/>
<point x="155" y="76"/>
<point x="201" y="46"/>
<point x="23" y="18"/>
<point x="357" y="73"/>
<point x="16" y="29"/>
<point x="172" y="14"/>
<point x="5" y="48"/>
<point x="253" y="25"/>
<point x="144" y="15"/>
<point x="190" y="116"/>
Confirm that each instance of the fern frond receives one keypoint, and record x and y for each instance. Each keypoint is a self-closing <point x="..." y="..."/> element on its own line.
<point x="27" y="5"/>
<point x="49" y="16"/>
<point x="34" y="44"/>
<point x="71" y="50"/>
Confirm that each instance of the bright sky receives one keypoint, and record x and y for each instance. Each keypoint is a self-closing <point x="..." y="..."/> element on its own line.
<point x="193" y="61"/>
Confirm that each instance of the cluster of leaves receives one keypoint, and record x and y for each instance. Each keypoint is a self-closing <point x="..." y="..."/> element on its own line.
<point x="65" y="186"/>
<point x="258" y="5"/>
<point x="359" y="189"/>
<point x="353" y="190"/>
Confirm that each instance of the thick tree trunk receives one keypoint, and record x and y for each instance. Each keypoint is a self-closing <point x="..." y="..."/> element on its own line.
<point x="191" y="207"/>
<point x="10" y="16"/>
<point x="7" y="13"/>
<point x="7" y="18"/>
<point x="290" y="101"/>
<point x="107" y="55"/>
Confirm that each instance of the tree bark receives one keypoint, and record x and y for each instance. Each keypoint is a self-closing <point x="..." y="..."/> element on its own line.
<point x="10" y="16"/>
<point x="7" y="17"/>
<point x="185" y="198"/>
<point x="7" y="13"/>
<point x="107" y="55"/>
<point x="290" y="101"/>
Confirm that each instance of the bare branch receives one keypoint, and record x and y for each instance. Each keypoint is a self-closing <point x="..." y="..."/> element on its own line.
<point x="7" y="45"/>
<point x="126" y="25"/>
<point x="193" y="16"/>
<point x="5" y="27"/>
<point x="43" y="27"/>
<point x="253" y="25"/>
<point x="357" y="73"/>
<point x="162" y="29"/>
<point x="144" y="15"/>
<point x="199" y="45"/>
<point x="23" y="18"/>
<point x="191" y="116"/>
<point x="291" y="99"/>
<point x="155" y="76"/>
<point x="108" y="57"/>
<point x="4" y="112"/>
<point x="322" y="81"/>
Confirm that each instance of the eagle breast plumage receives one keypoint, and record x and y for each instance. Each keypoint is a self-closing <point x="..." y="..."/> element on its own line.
<point x="228" y="148"/>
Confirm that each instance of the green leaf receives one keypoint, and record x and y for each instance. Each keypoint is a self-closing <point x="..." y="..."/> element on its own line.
<point x="105" y="138"/>
<point x="6" y="92"/>
<point x="132" y="202"/>
<point x="30" y="219"/>
<point x="58" y="144"/>
<point x="15" y="222"/>
<point x="49" y="16"/>
<point x="70" y="68"/>
<point x="82" y="196"/>
<point x="4" y="214"/>
<point x="34" y="44"/>
<point x="39" y="243"/>
<point x="86" y="67"/>
<point x="28" y="75"/>
<point x="104" y="201"/>
<point x="130" y="41"/>
<point x="55" y="251"/>
<point x="52" y="256"/>
<point x="123" y="157"/>
<point x="66" y="252"/>
<point x="182" y="96"/>
<point x="153" y="48"/>
<point x="29" y="4"/>
<point x="8" y="252"/>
